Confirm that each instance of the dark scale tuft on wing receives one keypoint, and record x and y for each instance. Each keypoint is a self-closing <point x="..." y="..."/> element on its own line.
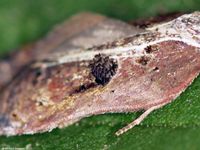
<point x="103" y="68"/>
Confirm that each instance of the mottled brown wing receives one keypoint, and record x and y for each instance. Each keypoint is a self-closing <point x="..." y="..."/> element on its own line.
<point x="40" y="100"/>
<point x="78" y="33"/>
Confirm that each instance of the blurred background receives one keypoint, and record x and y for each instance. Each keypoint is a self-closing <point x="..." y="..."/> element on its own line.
<point x="23" y="21"/>
<point x="176" y="126"/>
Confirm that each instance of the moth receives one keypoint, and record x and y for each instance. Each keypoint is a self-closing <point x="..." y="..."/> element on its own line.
<point x="94" y="65"/>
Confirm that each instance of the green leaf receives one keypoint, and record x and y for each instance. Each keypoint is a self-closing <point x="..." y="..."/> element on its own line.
<point x="175" y="126"/>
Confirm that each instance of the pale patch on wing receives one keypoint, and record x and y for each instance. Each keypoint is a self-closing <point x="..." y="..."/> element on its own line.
<point x="106" y="30"/>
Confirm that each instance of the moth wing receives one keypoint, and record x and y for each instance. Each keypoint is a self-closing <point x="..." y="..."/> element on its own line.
<point x="40" y="100"/>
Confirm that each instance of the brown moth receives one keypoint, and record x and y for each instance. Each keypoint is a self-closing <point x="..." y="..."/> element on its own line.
<point x="104" y="66"/>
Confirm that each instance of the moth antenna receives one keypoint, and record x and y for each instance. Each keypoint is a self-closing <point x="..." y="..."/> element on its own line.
<point x="138" y="120"/>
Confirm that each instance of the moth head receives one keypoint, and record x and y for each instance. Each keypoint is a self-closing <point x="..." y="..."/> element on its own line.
<point x="189" y="24"/>
<point x="185" y="27"/>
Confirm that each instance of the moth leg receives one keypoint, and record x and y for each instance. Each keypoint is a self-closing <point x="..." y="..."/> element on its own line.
<point x="138" y="120"/>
